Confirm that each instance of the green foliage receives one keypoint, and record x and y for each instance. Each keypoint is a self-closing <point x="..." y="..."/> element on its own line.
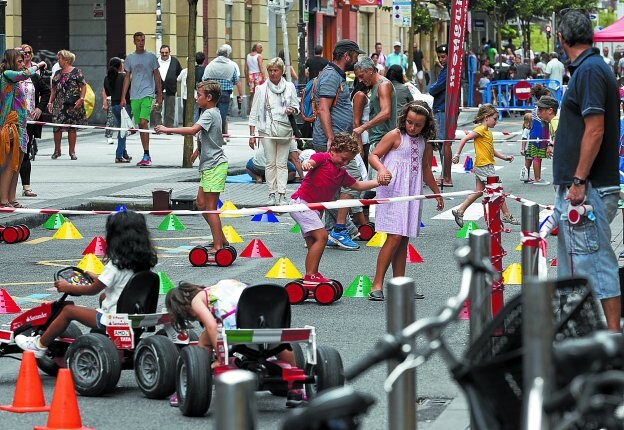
<point x="605" y="18"/>
<point x="422" y="22"/>
<point x="508" y="32"/>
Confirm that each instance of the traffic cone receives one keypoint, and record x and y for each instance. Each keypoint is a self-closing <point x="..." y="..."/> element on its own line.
<point x="283" y="269"/>
<point x="468" y="164"/>
<point x="7" y="304"/>
<point x="256" y="249"/>
<point x="554" y="262"/>
<point x="54" y="222"/>
<point x="465" y="231"/>
<point x="434" y="162"/>
<point x="519" y="247"/>
<point x="64" y="413"/>
<point x="513" y="275"/>
<point x="360" y="287"/>
<point x="229" y="206"/>
<point x="90" y="263"/>
<point x="67" y="232"/>
<point x="231" y="235"/>
<point x="28" y="395"/>
<point x="378" y="239"/>
<point x="422" y="224"/>
<point x="295" y="229"/>
<point x="412" y="255"/>
<point x="96" y="247"/>
<point x="165" y="283"/>
<point x="219" y="204"/>
<point x="268" y="217"/>
<point x="121" y="208"/>
<point x="170" y="223"/>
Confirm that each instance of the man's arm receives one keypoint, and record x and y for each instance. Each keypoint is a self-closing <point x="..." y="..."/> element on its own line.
<point x="124" y="91"/>
<point x="385" y="108"/>
<point x="158" y="83"/>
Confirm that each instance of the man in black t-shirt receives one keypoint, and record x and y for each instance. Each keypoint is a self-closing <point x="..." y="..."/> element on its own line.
<point x="421" y="67"/>
<point x="315" y="64"/>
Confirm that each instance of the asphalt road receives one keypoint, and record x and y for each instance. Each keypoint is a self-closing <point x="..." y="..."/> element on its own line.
<point x="350" y="325"/>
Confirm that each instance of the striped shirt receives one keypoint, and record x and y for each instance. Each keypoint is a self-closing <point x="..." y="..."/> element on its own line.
<point x="332" y="83"/>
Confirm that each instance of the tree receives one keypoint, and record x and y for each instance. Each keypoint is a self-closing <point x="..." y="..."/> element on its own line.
<point x="422" y="22"/>
<point x="190" y="82"/>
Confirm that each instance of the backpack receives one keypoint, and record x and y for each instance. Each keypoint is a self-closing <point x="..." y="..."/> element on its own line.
<point x="309" y="110"/>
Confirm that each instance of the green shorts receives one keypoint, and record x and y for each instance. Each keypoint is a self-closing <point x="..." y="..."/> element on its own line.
<point x="213" y="180"/>
<point x="141" y="108"/>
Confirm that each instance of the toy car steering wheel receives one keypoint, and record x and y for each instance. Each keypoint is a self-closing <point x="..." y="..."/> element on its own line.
<point x="74" y="276"/>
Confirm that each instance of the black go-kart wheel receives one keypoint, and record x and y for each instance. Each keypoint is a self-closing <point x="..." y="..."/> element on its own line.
<point x="233" y="250"/>
<point x="55" y="358"/>
<point x="225" y="257"/>
<point x="198" y="256"/>
<point x="339" y="289"/>
<point x="194" y="381"/>
<point x="296" y="292"/>
<point x="325" y="293"/>
<point x="328" y="372"/>
<point x="367" y="231"/>
<point x="155" y="361"/>
<point x="94" y="363"/>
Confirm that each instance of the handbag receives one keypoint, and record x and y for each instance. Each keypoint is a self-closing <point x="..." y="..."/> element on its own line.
<point x="277" y="128"/>
<point x="126" y="122"/>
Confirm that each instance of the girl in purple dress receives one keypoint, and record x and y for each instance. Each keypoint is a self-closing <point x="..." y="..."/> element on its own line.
<point x="402" y="157"/>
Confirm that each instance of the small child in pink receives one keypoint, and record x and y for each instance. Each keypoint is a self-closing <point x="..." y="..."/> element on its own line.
<point x="326" y="175"/>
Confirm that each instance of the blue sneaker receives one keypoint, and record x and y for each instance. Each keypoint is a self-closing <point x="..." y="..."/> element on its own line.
<point x="342" y="239"/>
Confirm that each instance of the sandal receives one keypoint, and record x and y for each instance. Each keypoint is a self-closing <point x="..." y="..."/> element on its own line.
<point x="72" y="155"/>
<point x="376" y="296"/>
<point x="6" y="205"/>
<point x="29" y="193"/>
<point x="56" y="154"/>
<point x="16" y="204"/>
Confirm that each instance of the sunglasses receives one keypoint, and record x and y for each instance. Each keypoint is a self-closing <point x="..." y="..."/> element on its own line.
<point x="164" y="53"/>
<point x="27" y="52"/>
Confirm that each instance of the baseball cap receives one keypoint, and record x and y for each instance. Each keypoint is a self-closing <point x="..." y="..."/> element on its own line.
<point x="397" y="43"/>
<point x="548" y="102"/>
<point x="347" y="45"/>
<point x="442" y="49"/>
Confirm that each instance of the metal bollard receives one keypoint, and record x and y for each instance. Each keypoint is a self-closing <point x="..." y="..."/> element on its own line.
<point x="480" y="293"/>
<point x="537" y="338"/>
<point x="530" y="224"/>
<point x="400" y="313"/>
<point x="235" y="400"/>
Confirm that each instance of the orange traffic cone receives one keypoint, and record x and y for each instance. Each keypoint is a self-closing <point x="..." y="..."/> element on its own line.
<point x="64" y="413"/>
<point x="28" y="395"/>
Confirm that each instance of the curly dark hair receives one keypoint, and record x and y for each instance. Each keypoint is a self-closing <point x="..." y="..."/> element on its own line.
<point x="419" y="107"/>
<point x="178" y="301"/>
<point x="128" y="242"/>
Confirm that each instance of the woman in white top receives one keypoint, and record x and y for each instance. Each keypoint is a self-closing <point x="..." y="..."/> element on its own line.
<point x="254" y="70"/>
<point x="275" y="100"/>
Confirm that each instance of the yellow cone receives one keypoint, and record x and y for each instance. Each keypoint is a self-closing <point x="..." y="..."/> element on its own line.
<point x="283" y="269"/>
<point x="228" y="205"/>
<point x="378" y="239"/>
<point x="67" y="232"/>
<point x="90" y="263"/>
<point x="519" y="247"/>
<point x="513" y="274"/>
<point x="231" y="235"/>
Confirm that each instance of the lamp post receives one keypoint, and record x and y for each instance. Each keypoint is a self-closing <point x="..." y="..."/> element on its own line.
<point x="3" y="4"/>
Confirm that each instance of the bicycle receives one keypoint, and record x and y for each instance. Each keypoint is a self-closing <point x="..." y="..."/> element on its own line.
<point x="490" y="372"/>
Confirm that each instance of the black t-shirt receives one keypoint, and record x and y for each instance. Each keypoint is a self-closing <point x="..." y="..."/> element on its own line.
<point x="315" y="65"/>
<point x="418" y="59"/>
<point x="115" y="92"/>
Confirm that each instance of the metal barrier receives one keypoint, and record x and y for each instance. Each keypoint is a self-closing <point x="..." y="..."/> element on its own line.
<point x="501" y="94"/>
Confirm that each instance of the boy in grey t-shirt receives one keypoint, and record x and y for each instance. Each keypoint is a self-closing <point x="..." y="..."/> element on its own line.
<point x="213" y="165"/>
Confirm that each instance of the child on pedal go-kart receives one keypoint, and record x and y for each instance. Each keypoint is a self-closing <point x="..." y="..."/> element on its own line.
<point x="326" y="175"/>
<point x="214" y="306"/>
<point x="130" y="250"/>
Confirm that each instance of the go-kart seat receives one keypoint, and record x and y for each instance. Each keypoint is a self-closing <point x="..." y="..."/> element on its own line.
<point x="262" y="306"/>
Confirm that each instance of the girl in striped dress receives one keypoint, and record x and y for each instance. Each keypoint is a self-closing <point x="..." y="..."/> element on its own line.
<point x="403" y="157"/>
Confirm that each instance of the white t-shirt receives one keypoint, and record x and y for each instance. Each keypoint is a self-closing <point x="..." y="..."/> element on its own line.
<point x="115" y="281"/>
<point x="555" y="69"/>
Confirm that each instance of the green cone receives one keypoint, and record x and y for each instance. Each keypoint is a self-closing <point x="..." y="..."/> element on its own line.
<point x="54" y="222"/>
<point x="165" y="283"/>
<point x="171" y="222"/>
<point x="467" y="229"/>
<point x="360" y="287"/>
<point x="295" y="229"/>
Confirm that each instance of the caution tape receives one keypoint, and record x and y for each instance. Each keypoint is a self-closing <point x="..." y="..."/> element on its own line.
<point x="523" y="200"/>
<point x="338" y="204"/>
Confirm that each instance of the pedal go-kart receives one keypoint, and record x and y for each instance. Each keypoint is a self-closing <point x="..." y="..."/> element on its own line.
<point x="324" y="293"/>
<point x="97" y="358"/>
<point x="367" y="231"/>
<point x="263" y="321"/>
<point x="200" y="256"/>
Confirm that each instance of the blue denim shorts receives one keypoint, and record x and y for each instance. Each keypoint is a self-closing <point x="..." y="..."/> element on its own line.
<point x="98" y="318"/>
<point x="585" y="249"/>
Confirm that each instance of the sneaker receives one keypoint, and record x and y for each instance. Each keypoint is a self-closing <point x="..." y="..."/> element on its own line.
<point x="342" y="239"/>
<point x="30" y="344"/>
<point x="541" y="182"/>
<point x="110" y="141"/>
<point x="121" y="160"/>
<point x="272" y="201"/>
<point x="173" y="400"/>
<point x="145" y="162"/>
<point x="127" y="157"/>
<point x="294" y="398"/>
<point x="330" y="244"/>
<point x="459" y="217"/>
<point x="282" y="200"/>
<point x="314" y="280"/>
<point x="510" y="220"/>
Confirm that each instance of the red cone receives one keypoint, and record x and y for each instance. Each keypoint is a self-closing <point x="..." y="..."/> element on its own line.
<point x="256" y="249"/>
<point x="7" y="304"/>
<point x="412" y="255"/>
<point x="97" y="247"/>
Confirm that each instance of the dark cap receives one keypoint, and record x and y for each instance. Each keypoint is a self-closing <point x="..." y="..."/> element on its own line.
<point x="548" y="102"/>
<point x="346" y="45"/>
<point x="442" y="49"/>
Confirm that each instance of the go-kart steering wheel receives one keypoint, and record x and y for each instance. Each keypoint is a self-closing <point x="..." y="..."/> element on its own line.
<point x="73" y="275"/>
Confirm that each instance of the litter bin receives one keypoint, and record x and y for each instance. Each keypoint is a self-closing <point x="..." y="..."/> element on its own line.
<point x="161" y="199"/>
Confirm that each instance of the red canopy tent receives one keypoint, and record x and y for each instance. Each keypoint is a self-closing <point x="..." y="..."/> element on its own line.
<point x="612" y="33"/>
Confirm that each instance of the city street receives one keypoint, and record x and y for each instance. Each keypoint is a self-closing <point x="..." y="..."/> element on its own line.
<point x="351" y="325"/>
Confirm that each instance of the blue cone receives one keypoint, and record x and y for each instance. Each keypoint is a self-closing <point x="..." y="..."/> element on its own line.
<point x="268" y="217"/>
<point x="121" y="208"/>
<point x="219" y="204"/>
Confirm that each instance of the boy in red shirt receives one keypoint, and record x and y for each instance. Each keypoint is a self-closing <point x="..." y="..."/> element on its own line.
<point x="326" y="175"/>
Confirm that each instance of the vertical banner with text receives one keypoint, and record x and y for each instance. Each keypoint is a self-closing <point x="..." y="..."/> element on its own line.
<point x="457" y="32"/>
